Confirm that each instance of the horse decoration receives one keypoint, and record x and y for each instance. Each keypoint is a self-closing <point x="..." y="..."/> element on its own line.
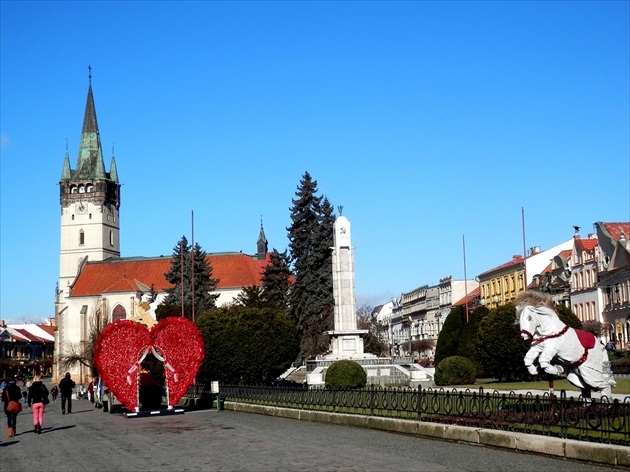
<point x="560" y="349"/>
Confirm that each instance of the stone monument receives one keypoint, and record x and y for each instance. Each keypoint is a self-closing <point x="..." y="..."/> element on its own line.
<point x="346" y="341"/>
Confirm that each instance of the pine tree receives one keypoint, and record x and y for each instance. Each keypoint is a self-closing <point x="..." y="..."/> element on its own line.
<point x="276" y="280"/>
<point x="310" y="239"/>
<point x="181" y="272"/>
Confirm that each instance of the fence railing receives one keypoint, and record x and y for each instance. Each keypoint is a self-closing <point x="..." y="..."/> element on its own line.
<point x="604" y="421"/>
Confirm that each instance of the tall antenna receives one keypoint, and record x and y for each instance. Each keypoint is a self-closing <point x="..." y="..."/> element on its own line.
<point x="524" y="250"/>
<point x="192" y="263"/>
<point x="181" y="270"/>
<point x="465" y="277"/>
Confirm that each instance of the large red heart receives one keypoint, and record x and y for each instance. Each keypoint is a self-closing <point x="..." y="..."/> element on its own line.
<point x="122" y="346"/>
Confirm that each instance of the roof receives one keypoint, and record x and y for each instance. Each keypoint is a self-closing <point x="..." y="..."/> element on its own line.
<point x="471" y="297"/>
<point x="233" y="270"/>
<point x="515" y="261"/>
<point x="32" y="332"/>
<point x="587" y="244"/>
<point x="614" y="229"/>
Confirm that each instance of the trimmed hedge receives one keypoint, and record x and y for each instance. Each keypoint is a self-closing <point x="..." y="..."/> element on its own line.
<point x="345" y="374"/>
<point x="455" y="370"/>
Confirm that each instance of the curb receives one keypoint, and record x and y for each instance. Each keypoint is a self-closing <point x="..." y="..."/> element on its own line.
<point x="605" y="454"/>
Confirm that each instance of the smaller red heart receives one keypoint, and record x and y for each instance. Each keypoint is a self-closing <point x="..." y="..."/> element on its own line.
<point x="122" y="346"/>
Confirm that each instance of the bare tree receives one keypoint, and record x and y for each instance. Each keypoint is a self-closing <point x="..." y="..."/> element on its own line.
<point x="82" y="353"/>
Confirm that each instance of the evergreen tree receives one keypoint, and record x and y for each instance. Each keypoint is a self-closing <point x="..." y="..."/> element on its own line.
<point x="310" y="239"/>
<point x="276" y="280"/>
<point x="450" y="335"/>
<point x="245" y="345"/>
<point x="500" y="350"/>
<point x="181" y="272"/>
<point x="252" y="297"/>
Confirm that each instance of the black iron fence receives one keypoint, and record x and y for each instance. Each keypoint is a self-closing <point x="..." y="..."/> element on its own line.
<point x="604" y="421"/>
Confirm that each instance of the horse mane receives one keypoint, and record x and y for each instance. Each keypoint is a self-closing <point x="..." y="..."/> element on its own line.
<point x="533" y="298"/>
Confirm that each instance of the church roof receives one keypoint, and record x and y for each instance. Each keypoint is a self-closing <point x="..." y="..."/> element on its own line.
<point x="234" y="270"/>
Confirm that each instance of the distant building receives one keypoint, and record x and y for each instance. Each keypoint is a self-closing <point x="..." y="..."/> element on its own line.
<point x="26" y="349"/>
<point x="613" y="274"/>
<point x="420" y="313"/>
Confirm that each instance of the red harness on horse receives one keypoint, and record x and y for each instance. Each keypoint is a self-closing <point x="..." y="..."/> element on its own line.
<point x="587" y="340"/>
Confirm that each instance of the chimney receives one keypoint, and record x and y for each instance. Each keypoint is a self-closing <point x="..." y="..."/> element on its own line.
<point x="534" y="250"/>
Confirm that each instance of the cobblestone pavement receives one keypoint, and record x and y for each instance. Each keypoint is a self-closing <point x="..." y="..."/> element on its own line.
<point x="209" y="440"/>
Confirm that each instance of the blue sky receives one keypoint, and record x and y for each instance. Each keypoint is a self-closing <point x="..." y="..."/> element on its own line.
<point x="427" y="121"/>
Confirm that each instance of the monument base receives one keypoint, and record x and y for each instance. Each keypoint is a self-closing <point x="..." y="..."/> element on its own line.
<point x="381" y="371"/>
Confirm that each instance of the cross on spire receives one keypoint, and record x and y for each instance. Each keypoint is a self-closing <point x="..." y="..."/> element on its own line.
<point x="90" y="74"/>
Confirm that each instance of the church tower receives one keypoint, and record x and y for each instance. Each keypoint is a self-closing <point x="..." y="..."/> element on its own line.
<point x="90" y="202"/>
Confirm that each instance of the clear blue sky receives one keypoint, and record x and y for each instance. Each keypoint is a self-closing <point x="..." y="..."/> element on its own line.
<point x="427" y="121"/>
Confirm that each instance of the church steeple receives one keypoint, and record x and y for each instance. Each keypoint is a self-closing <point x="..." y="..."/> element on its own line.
<point x="261" y="243"/>
<point x="90" y="163"/>
<point x="90" y="203"/>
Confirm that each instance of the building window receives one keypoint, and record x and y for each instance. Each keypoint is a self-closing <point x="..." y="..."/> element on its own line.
<point x="119" y="313"/>
<point x="81" y="238"/>
<point x="111" y="238"/>
<point x="89" y="188"/>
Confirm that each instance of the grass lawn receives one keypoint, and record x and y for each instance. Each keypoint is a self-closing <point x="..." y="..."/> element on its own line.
<point x="623" y="385"/>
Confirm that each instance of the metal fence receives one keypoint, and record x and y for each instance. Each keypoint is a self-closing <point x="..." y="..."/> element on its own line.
<point x="604" y="421"/>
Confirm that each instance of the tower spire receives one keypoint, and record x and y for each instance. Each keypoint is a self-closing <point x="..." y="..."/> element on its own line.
<point x="90" y="163"/>
<point x="261" y="245"/>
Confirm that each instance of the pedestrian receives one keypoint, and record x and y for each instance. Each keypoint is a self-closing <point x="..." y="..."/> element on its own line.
<point x="11" y="393"/>
<point x="65" y="387"/>
<point x="37" y="400"/>
<point x="54" y="392"/>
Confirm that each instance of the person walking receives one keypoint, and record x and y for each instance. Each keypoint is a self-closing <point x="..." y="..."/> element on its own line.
<point x="54" y="392"/>
<point x="37" y="400"/>
<point x="11" y="393"/>
<point x="65" y="387"/>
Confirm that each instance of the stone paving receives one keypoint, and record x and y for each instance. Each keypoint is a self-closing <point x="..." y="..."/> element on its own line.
<point x="211" y="440"/>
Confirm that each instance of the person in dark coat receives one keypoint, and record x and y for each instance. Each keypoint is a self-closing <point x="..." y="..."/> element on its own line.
<point x="36" y="396"/>
<point x="65" y="387"/>
<point x="11" y="392"/>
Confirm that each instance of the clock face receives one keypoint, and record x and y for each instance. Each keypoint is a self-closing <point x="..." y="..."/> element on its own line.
<point x="81" y="208"/>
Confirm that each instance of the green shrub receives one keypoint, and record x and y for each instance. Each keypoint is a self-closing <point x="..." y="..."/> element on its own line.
<point x="345" y="374"/>
<point x="455" y="370"/>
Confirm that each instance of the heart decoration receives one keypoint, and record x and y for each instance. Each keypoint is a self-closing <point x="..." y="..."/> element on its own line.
<point x="123" y="345"/>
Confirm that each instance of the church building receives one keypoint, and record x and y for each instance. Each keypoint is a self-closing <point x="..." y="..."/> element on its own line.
<point x="93" y="277"/>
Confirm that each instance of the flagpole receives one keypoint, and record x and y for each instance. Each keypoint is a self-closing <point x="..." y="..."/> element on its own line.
<point x="465" y="277"/>
<point x="192" y="264"/>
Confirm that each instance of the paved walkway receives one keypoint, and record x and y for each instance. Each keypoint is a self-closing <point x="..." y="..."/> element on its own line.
<point x="211" y="440"/>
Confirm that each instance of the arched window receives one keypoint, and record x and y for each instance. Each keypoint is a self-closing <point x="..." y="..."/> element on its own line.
<point x="81" y="238"/>
<point x="81" y="189"/>
<point x="119" y="313"/>
<point x="89" y="188"/>
<point x="73" y="189"/>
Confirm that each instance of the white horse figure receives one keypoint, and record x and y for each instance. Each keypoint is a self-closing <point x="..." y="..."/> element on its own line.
<point x="560" y="349"/>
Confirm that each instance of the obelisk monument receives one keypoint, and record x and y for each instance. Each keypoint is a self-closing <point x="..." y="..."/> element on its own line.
<point x="346" y="341"/>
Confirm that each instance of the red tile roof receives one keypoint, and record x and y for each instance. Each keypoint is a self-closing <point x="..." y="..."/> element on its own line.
<point x="614" y="229"/>
<point x="587" y="244"/>
<point x="515" y="260"/>
<point x="471" y="297"/>
<point x="234" y="270"/>
<point x="30" y="336"/>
